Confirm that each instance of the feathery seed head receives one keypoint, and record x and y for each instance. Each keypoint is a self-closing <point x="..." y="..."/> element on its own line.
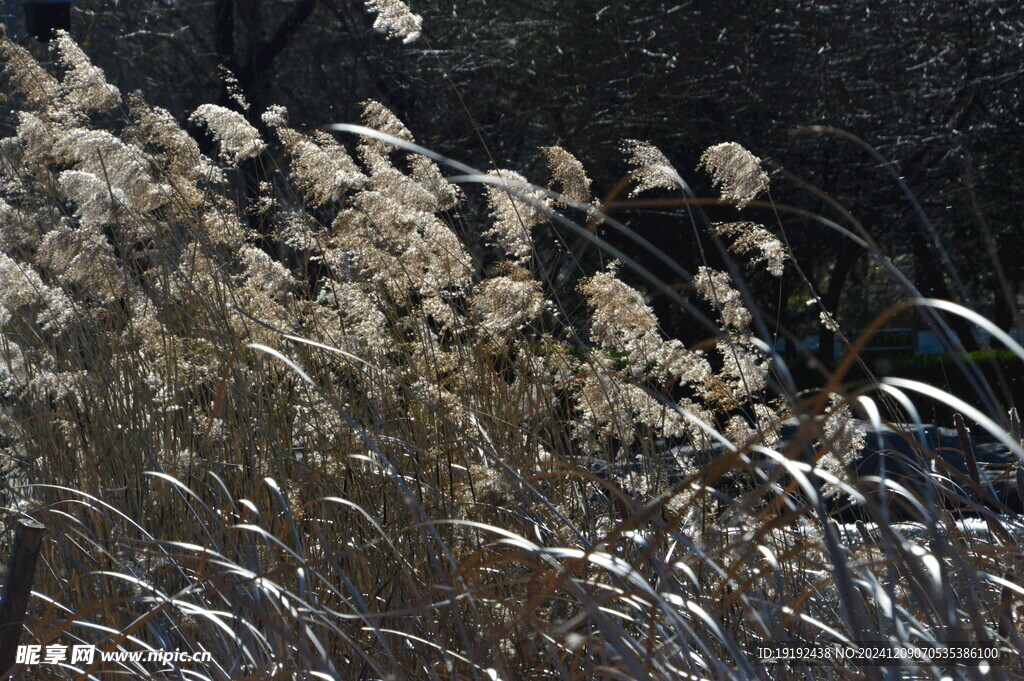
<point x="516" y="207"/>
<point x="506" y="303"/>
<point x="846" y="439"/>
<point x="276" y="116"/>
<point x="395" y="19"/>
<point x="620" y="313"/>
<point x="735" y="171"/>
<point x="120" y="165"/>
<point x="37" y="87"/>
<point x="238" y="139"/>
<point x="96" y="203"/>
<point x="84" y="87"/>
<point x="23" y="287"/>
<point x="157" y="127"/>
<point x="828" y="321"/>
<point x="623" y="322"/>
<point x="83" y="258"/>
<point x="716" y="289"/>
<point x="750" y="237"/>
<point x="16" y="228"/>
<point x="233" y="87"/>
<point x="651" y="168"/>
<point x="425" y="172"/>
<point x="321" y="166"/>
<point x="381" y="118"/>
<point x="374" y="152"/>
<point x="568" y="173"/>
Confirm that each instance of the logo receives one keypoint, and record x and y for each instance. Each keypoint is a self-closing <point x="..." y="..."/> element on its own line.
<point x="87" y="654"/>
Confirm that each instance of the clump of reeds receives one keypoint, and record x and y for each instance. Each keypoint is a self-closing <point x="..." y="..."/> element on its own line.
<point x="349" y="448"/>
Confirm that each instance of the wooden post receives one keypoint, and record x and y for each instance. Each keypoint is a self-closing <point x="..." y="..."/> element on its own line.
<point x="21" y="569"/>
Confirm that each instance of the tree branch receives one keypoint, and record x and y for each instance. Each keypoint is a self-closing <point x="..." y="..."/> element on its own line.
<point x="268" y="51"/>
